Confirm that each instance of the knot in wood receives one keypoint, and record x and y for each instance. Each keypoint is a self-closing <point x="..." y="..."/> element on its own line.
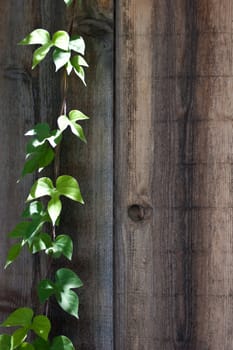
<point x="138" y="212"/>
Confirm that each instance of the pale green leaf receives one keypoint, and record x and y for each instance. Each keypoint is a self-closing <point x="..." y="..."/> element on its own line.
<point x="77" y="44"/>
<point x="39" y="54"/>
<point x="69" y="302"/>
<point x="69" y="187"/>
<point x="37" y="36"/>
<point x="79" y="71"/>
<point x="63" y="122"/>
<point x="77" y="130"/>
<point x="60" y="58"/>
<point x="69" y="67"/>
<point x="13" y="254"/>
<point x="78" y="60"/>
<point x="62" y="343"/>
<point x="54" y="208"/>
<point x="5" y="342"/>
<point x="67" y="279"/>
<point x="68" y="2"/>
<point x="75" y="115"/>
<point x="42" y="187"/>
<point x="61" y="40"/>
<point x="41" y="326"/>
<point x="20" y="317"/>
<point x="19" y="336"/>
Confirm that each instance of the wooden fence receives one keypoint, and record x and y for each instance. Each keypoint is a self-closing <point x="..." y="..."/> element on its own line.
<point x="153" y="244"/>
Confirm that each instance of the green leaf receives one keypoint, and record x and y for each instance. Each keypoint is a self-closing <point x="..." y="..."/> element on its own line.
<point x="54" y="208"/>
<point x="61" y="40"/>
<point x="41" y="157"/>
<point x="41" y="131"/>
<point x="37" y="36"/>
<point x="63" y="245"/>
<point x="33" y="208"/>
<point x="68" y="2"/>
<point x="13" y="254"/>
<point x="42" y="187"/>
<point x="75" y="115"/>
<point x="19" y="230"/>
<point x="60" y="58"/>
<point x="69" y="302"/>
<point x="28" y="230"/>
<point x="62" y="343"/>
<point x="41" y="344"/>
<point x="77" y="44"/>
<point x="19" y="336"/>
<point x="78" y="60"/>
<point x="69" y="187"/>
<point x="40" y="53"/>
<point x="26" y="346"/>
<point x="41" y="242"/>
<point x="67" y="279"/>
<point x="20" y="317"/>
<point x="5" y="342"/>
<point x="45" y="289"/>
<point x="41" y="326"/>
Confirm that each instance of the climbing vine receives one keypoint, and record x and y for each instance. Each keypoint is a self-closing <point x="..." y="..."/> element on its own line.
<point x="42" y="149"/>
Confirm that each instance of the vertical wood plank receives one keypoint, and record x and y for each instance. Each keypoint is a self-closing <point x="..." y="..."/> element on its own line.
<point x="134" y="318"/>
<point x="36" y="97"/>
<point x="18" y="105"/>
<point x="173" y="164"/>
<point x="92" y="164"/>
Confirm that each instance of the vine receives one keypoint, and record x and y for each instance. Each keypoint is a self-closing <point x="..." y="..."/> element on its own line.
<point x="42" y="149"/>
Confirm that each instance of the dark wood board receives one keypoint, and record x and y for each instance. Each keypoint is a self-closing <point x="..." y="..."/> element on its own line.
<point x="173" y="175"/>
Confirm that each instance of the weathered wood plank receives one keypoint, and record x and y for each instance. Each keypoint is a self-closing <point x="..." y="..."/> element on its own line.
<point x="134" y="318"/>
<point x="92" y="164"/>
<point x="19" y="112"/>
<point x="36" y="97"/>
<point x="173" y="159"/>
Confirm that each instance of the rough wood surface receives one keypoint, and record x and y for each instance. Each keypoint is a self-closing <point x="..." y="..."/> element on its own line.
<point x="27" y="97"/>
<point x="173" y="247"/>
<point x="172" y="169"/>
<point x="92" y="165"/>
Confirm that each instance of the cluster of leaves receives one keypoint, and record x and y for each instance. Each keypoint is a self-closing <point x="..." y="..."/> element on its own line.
<point x="26" y="322"/>
<point x="68" y="53"/>
<point x="40" y="150"/>
<point x="63" y="45"/>
<point x="31" y="234"/>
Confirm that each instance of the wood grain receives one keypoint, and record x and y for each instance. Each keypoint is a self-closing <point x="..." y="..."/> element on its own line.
<point x="170" y="128"/>
<point x="28" y="97"/>
<point x="173" y="162"/>
<point x="92" y="164"/>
